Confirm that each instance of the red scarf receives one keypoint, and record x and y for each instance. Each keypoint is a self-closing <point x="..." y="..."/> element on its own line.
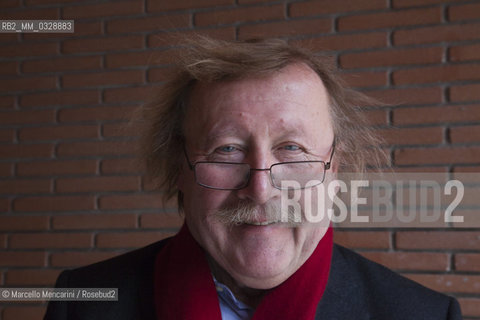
<point x="184" y="287"/>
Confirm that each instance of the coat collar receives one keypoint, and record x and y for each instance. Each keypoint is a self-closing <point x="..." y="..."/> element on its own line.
<point x="342" y="299"/>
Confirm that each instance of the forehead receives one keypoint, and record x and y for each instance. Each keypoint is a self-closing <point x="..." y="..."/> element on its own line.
<point x="292" y="99"/>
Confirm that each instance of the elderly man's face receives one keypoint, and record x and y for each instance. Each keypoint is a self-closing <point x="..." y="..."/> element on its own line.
<point x="259" y="121"/>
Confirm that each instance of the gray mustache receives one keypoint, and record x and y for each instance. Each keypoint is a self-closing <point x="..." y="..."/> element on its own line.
<point x="246" y="211"/>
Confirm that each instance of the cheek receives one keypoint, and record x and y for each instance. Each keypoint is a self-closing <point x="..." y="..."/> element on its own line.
<point x="200" y="201"/>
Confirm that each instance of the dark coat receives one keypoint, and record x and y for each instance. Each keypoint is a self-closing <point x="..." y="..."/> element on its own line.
<point x="357" y="289"/>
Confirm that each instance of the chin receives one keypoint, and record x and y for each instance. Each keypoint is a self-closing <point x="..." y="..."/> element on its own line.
<point x="261" y="274"/>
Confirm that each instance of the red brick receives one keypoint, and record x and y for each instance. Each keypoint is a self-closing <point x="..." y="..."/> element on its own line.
<point x="138" y="201"/>
<point x="344" y="41"/>
<point x="62" y="64"/>
<point x="31" y="277"/>
<point x="25" y="186"/>
<point x="161" y="220"/>
<point x="218" y="17"/>
<point x="97" y="184"/>
<point x="253" y="1"/>
<point x="415" y="3"/>
<point x="8" y="38"/>
<point x="464" y="12"/>
<point x="3" y="243"/>
<point x="56" y="167"/>
<point x="31" y="14"/>
<point x="120" y="130"/>
<point x="144" y="58"/>
<point x="467" y="262"/>
<point x="117" y="8"/>
<point x="317" y="7"/>
<point x="430" y="115"/>
<point x="423" y="261"/>
<point x="470" y="196"/>
<point x="124" y="166"/>
<point x="81" y="29"/>
<point x="96" y="114"/>
<point x="411" y="136"/>
<point x="10" y="3"/>
<point x="6" y="169"/>
<point x="408" y="95"/>
<point x="285" y="28"/>
<point x="4" y="205"/>
<point x="362" y="239"/>
<point x="465" y="240"/>
<point x="153" y="5"/>
<point x="27" y="117"/>
<point x="9" y="68"/>
<point x="7" y="102"/>
<point x="37" y="2"/>
<point x="390" y="19"/>
<point x="465" y="134"/>
<point x="366" y="79"/>
<point x="132" y="94"/>
<point x="406" y="169"/>
<point x="54" y="203"/>
<point x="475" y="169"/>
<point x="98" y="148"/>
<point x="95" y="221"/>
<point x="443" y="33"/>
<point x="77" y="259"/>
<point x="23" y="312"/>
<point x="443" y="155"/>
<point x="149" y="23"/>
<point x="61" y="132"/>
<point x="7" y="135"/>
<point x="160" y="74"/>
<point x="437" y="74"/>
<point x="470" y="307"/>
<point x="448" y="283"/>
<point x="462" y="93"/>
<point x="16" y="222"/>
<point x="103" y="44"/>
<point x="52" y="240"/>
<point x="168" y="40"/>
<point x="129" y="239"/>
<point x="13" y="151"/>
<point x="29" y="49"/>
<point x="148" y="184"/>
<point x="376" y="117"/>
<point x="465" y="52"/>
<point x="28" y="84"/>
<point x="392" y="57"/>
<point x="60" y="98"/>
<point x="22" y="259"/>
<point x="96" y="79"/>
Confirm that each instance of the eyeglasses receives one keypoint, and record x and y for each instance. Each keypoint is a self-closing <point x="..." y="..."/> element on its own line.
<point x="236" y="176"/>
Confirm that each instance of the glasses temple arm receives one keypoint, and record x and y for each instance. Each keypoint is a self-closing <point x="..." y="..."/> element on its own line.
<point x="328" y="164"/>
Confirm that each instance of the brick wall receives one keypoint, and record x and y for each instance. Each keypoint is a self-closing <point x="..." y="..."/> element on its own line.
<point x="71" y="192"/>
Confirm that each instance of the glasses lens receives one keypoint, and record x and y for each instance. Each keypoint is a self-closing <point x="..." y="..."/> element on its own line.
<point x="298" y="175"/>
<point x="222" y="175"/>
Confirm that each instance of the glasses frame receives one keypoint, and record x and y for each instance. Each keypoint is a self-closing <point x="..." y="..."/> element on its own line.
<point x="192" y="166"/>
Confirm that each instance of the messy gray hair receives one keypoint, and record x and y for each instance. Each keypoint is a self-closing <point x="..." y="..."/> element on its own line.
<point x="210" y="60"/>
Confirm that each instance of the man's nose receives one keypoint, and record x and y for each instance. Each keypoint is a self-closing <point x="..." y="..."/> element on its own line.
<point x="259" y="188"/>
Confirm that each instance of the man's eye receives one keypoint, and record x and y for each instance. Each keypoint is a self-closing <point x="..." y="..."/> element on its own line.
<point x="227" y="149"/>
<point x="291" y="147"/>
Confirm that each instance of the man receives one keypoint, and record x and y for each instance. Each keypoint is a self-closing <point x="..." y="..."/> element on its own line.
<point x="242" y="127"/>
